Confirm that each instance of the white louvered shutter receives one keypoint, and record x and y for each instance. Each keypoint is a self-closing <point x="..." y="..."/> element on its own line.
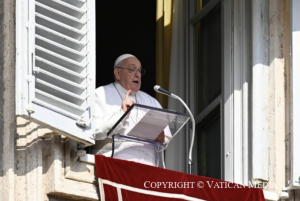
<point x="61" y="63"/>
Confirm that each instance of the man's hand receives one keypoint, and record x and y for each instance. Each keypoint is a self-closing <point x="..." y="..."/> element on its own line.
<point x="127" y="102"/>
<point x="161" y="137"/>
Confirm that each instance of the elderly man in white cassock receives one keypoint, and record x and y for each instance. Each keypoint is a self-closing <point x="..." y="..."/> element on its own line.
<point x="113" y="100"/>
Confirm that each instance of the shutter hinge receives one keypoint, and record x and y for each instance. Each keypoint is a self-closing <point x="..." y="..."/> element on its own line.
<point x="83" y="123"/>
<point x="29" y="109"/>
<point x="36" y="69"/>
<point x="29" y="78"/>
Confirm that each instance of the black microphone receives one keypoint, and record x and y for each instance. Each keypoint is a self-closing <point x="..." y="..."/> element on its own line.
<point x="159" y="89"/>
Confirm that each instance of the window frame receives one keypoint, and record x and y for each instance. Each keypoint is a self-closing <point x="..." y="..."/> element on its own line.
<point x="234" y="104"/>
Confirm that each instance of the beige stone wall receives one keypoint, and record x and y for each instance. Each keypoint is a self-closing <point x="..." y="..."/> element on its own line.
<point x="294" y="195"/>
<point x="7" y="98"/>
<point x="47" y="166"/>
<point x="276" y="96"/>
<point x="279" y="97"/>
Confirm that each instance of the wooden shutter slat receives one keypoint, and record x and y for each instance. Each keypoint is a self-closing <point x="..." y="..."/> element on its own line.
<point x="60" y="60"/>
<point x="59" y="38"/>
<point x="77" y="3"/>
<point x="61" y="82"/>
<point x="59" y="92"/>
<point x="64" y="7"/>
<point x="58" y="105"/>
<point x="59" y="70"/>
<point x="59" y="49"/>
<point x="59" y="27"/>
<point x="59" y="16"/>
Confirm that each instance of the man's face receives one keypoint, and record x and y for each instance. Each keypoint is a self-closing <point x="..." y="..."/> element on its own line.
<point x="130" y="81"/>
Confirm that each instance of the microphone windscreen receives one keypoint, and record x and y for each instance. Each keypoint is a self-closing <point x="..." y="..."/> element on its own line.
<point x="156" y="87"/>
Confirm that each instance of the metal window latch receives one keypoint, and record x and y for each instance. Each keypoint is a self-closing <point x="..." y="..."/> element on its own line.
<point x="83" y="123"/>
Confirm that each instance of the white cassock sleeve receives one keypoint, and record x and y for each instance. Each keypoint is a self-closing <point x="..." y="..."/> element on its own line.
<point x="106" y="116"/>
<point x="105" y="122"/>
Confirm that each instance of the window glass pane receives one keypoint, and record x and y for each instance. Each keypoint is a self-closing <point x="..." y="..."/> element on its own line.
<point x="209" y="148"/>
<point x="208" y="63"/>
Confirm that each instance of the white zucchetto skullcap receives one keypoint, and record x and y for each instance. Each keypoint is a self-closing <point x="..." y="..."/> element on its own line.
<point x="122" y="57"/>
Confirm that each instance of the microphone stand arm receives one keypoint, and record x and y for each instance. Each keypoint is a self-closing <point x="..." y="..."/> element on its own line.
<point x="193" y="132"/>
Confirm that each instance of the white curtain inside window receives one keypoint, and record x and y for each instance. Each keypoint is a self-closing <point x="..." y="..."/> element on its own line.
<point x="176" y="155"/>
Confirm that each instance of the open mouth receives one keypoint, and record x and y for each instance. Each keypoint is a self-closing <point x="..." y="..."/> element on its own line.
<point x="136" y="82"/>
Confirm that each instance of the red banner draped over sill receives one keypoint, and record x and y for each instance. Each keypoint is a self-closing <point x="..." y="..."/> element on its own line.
<point x="125" y="180"/>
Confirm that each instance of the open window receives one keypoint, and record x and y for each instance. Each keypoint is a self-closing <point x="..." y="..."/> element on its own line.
<point x="56" y="65"/>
